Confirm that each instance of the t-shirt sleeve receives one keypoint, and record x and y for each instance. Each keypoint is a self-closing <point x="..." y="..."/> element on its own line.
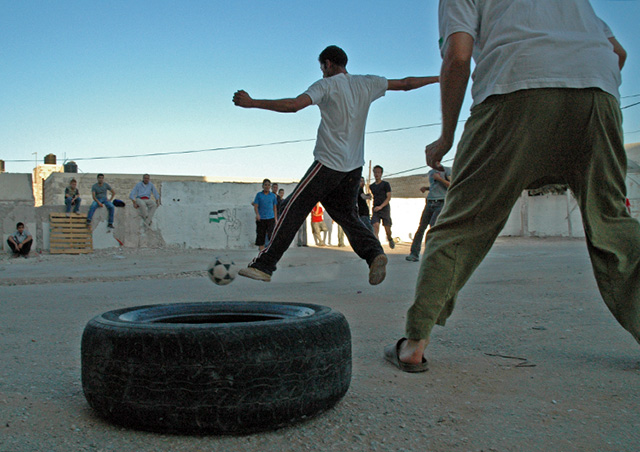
<point x="456" y="16"/>
<point x="256" y="200"/>
<point x="605" y="28"/>
<point x="377" y="86"/>
<point x="317" y="91"/>
<point x="387" y="188"/>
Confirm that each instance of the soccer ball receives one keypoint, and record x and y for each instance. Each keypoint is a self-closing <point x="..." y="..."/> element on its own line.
<point x="222" y="271"/>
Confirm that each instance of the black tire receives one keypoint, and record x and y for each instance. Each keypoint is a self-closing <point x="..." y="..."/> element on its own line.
<point x="224" y="368"/>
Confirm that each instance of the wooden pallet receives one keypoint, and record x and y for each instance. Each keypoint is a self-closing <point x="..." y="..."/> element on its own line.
<point x="69" y="235"/>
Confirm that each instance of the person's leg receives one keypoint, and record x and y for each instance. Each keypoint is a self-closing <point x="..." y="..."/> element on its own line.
<point x="340" y="236"/>
<point x="26" y="248"/>
<point x="387" y="229"/>
<point x="341" y="205"/>
<point x="13" y="247"/>
<point x="67" y="203"/>
<point x="143" y="211"/>
<point x="261" y="233"/>
<point x="312" y="188"/>
<point x="112" y="210"/>
<point x="76" y="205"/>
<point x="152" y="206"/>
<point x="503" y="150"/>
<point x="315" y="229"/>
<point x="416" y="244"/>
<point x="613" y="236"/>
<point x="324" y="230"/>
<point x="375" y="224"/>
<point x="92" y="209"/>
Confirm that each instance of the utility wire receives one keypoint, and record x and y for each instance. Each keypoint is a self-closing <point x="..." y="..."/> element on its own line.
<point x="631" y="105"/>
<point x="227" y="148"/>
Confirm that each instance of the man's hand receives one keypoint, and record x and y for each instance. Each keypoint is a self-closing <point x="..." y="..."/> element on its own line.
<point x="135" y="204"/>
<point x="377" y="208"/>
<point x="434" y="153"/>
<point x="100" y="204"/>
<point x="242" y="99"/>
<point x="257" y="217"/>
<point x="366" y="196"/>
<point x="423" y="189"/>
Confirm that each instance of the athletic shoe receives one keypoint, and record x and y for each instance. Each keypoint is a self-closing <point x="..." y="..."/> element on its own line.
<point x="412" y="258"/>
<point x="110" y="226"/>
<point x="378" y="269"/>
<point x="392" y="244"/>
<point x="254" y="273"/>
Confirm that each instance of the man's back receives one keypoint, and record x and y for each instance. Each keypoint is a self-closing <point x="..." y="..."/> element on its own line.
<point x="344" y="101"/>
<point x="526" y="44"/>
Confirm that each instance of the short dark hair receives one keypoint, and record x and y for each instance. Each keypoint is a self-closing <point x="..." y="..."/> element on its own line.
<point x="334" y="54"/>
<point x="20" y="223"/>
<point x="378" y="166"/>
<point x="99" y="175"/>
<point x="73" y="180"/>
<point x="265" y="181"/>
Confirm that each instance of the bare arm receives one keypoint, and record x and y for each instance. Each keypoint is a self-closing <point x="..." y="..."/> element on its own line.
<point x="619" y="50"/>
<point x="409" y="83"/>
<point x="441" y="179"/>
<point x="255" y="208"/>
<point x="384" y="203"/>
<point x="291" y="105"/>
<point x="454" y="76"/>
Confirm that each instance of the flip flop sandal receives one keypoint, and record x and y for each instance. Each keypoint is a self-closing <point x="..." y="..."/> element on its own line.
<point x="391" y="354"/>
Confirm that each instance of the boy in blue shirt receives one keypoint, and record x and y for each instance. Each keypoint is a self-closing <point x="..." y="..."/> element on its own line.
<point x="265" y="205"/>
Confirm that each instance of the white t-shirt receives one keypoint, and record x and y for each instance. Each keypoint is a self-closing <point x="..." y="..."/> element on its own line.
<point x="344" y="101"/>
<point x="528" y="44"/>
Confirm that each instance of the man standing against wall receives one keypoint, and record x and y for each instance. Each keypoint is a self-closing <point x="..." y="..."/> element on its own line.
<point x="265" y="205"/>
<point x="545" y="105"/>
<point x="381" y="191"/>
<point x="438" y="185"/>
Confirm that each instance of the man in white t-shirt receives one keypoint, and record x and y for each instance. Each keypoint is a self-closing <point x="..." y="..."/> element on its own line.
<point x="334" y="177"/>
<point x="545" y="108"/>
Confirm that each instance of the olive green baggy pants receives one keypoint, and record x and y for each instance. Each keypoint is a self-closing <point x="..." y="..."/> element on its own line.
<point x="510" y="141"/>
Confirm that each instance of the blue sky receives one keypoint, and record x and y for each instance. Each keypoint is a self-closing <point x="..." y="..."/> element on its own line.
<point x="92" y="79"/>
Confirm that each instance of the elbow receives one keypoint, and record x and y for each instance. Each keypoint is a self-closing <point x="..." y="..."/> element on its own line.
<point x="622" y="57"/>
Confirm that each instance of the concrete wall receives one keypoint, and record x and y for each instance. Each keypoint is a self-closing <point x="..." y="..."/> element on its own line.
<point x="209" y="215"/>
<point x="122" y="184"/>
<point x="198" y="214"/>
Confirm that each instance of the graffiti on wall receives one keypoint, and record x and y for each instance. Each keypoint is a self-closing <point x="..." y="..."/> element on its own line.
<point x="232" y="226"/>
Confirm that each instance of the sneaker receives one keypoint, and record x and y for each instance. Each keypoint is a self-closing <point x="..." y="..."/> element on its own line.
<point x="378" y="269"/>
<point x="392" y="244"/>
<point x="412" y="258"/>
<point x="254" y="273"/>
<point x="110" y="226"/>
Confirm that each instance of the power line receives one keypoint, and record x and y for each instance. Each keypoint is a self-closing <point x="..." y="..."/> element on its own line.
<point x="227" y="148"/>
<point x="631" y="105"/>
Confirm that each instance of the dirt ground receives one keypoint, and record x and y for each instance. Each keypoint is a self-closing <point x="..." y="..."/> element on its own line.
<point x="530" y="360"/>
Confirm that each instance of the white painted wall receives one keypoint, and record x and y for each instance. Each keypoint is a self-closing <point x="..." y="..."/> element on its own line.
<point x="197" y="214"/>
<point x="209" y="215"/>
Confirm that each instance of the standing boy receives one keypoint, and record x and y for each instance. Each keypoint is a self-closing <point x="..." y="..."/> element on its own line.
<point x="265" y="205"/>
<point x="381" y="191"/>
